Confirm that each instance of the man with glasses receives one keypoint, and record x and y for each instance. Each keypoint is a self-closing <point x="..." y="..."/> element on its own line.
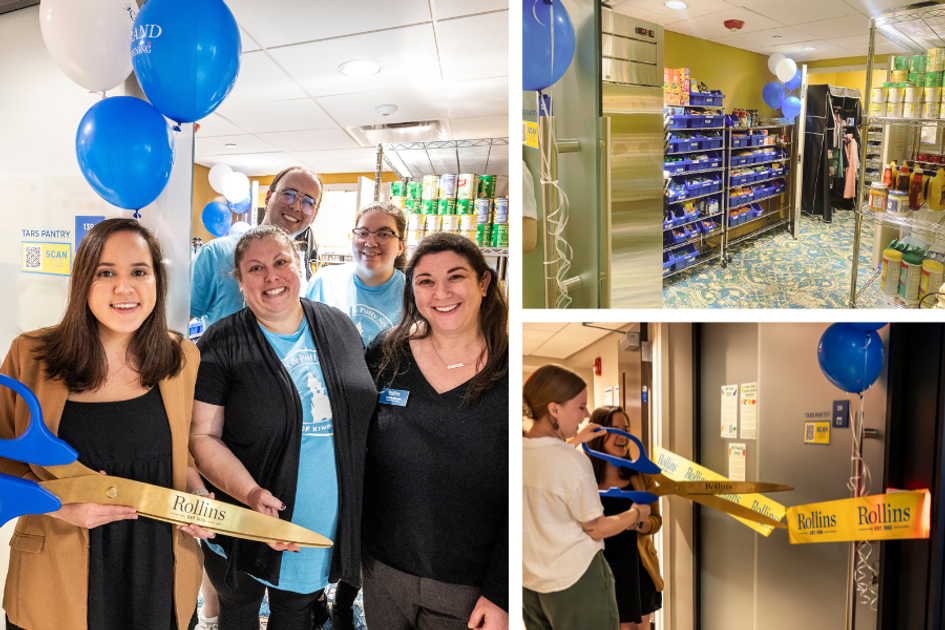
<point x="291" y="204"/>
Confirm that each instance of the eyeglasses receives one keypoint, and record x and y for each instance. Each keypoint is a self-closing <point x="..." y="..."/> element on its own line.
<point x="382" y="236"/>
<point x="289" y="196"/>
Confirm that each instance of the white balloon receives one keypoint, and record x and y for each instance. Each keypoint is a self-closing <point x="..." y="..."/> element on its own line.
<point x="218" y="175"/>
<point x="239" y="228"/>
<point x="90" y="40"/>
<point x="236" y="187"/>
<point x="773" y="62"/>
<point x="786" y="69"/>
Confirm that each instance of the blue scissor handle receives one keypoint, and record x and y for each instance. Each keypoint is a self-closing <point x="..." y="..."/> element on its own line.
<point x="640" y="464"/>
<point x="637" y="496"/>
<point x="37" y="445"/>
<point x="22" y="496"/>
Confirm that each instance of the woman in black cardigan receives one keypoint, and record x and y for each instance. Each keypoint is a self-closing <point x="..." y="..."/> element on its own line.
<point x="283" y="403"/>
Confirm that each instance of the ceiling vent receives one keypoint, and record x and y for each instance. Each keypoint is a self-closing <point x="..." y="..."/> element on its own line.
<point x="418" y="131"/>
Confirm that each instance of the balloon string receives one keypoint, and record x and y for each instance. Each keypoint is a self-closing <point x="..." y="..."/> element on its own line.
<point x="535" y="14"/>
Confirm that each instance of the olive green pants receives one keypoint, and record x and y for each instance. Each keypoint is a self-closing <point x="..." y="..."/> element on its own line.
<point x="588" y="603"/>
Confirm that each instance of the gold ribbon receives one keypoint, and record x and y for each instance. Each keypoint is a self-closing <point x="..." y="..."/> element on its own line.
<point x="893" y="516"/>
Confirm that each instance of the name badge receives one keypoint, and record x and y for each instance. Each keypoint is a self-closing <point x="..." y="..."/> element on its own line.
<point x="394" y="397"/>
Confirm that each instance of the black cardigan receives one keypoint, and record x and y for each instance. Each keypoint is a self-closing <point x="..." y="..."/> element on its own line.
<point x="240" y="371"/>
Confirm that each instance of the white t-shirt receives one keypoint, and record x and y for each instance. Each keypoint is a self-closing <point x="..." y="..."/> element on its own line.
<point x="559" y="493"/>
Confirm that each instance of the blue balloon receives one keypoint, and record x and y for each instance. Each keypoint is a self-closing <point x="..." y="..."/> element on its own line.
<point x="851" y="359"/>
<point x="794" y="82"/>
<point x="125" y="151"/>
<point x="791" y="107"/>
<point x="241" y="206"/>
<point x="538" y="69"/>
<point x="217" y="218"/>
<point x="773" y="94"/>
<point x="866" y="326"/>
<point x="186" y="56"/>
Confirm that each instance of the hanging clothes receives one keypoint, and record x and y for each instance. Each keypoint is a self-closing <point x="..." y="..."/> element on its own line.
<point x="849" y="190"/>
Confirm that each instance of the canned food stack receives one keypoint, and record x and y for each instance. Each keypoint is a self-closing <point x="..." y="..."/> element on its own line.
<point x="452" y="203"/>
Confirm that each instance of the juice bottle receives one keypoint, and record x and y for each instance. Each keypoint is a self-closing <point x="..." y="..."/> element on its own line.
<point x="887" y="176"/>
<point x="915" y="191"/>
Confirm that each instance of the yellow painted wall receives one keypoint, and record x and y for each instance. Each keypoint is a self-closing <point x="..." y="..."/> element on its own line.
<point x="204" y="194"/>
<point x="856" y="80"/>
<point x="739" y="74"/>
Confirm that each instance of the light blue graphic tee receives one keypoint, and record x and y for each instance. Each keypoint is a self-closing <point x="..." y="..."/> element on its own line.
<point x="316" y="494"/>
<point x="214" y="291"/>
<point x="372" y="309"/>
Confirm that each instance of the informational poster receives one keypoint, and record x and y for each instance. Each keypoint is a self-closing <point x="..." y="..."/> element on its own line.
<point x="49" y="258"/>
<point x="736" y="462"/>
<point x="749" y="430"/>
<point x="816" y="433"/>
<point x="608" y="397"/>
<point x="729" y="411"/>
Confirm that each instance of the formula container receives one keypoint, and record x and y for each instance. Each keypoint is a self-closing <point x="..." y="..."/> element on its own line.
<point x="467" y="222"/>
<point x="909" y="277"/>
<point x="936" y="60"/>
<point x="933" y="94"/>
<point x="909" y="110"/>
<point x="484" y="234"/>
<point x="428" y="206"/>
<point x="398" y="189"/>
<point x="414" y="236"/>
<point x="911" y="94"/>
<point x="501" y="210"/>
<point x="447" y="186"/>
<point x="500" y="235"/>
<point x="933" y="79"/>
<point x="484" y="211"/>
<point x="933" y="273"/>
<point x="465" y="206"/>
<point x="893" y="109"/>
<point x="894" y="94"/>
<point x="432" y="223"/>
<point x="897" y="202"/>
<point x="446" y="206"/>
<point x="892" y="266"/>
<point x="470" y="234"/>
<point x="398" y="201"/>
<point x="414" y="190"/>
<point x="879" y="95"/>
<point x="466" y="186"/>
<point x="414" y="222"/>
<point x="918" y="63"/>
<point x="878" y="109"/>
<point x="431" y="187"/>
<point x="450" y="223"/>
<point x="486" y="188"/>
<point x="931" y="111"/>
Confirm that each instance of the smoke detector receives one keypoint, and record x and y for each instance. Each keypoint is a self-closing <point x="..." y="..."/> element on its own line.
<point x="734" y="25"/>
<point x="385" y="110"/>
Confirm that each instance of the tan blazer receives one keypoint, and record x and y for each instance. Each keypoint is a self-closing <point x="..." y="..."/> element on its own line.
<point x="645" y="541"/>
<point x="47" y="583"/>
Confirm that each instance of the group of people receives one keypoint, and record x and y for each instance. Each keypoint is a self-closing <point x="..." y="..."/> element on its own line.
<point x="397" y="453"/>
<point x="588" y="561"/>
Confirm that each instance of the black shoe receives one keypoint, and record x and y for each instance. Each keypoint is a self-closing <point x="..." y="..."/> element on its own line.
<point x="320" y="611"/>
<point x="342" y="609"/>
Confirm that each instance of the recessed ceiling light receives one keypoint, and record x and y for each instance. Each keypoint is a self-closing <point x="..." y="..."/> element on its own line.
<point x="359" y="68"/>
<point x="230" y="145"/>
<point x="676" y="4"/>
<point x="775" y="37"/>
<point x="810" y="48"/>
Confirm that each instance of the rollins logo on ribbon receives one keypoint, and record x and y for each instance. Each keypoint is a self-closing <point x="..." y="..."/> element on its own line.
<point x="893" y="516"/>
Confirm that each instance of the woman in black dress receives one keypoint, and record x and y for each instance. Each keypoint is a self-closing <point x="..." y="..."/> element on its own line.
<point x="631" y="555"/>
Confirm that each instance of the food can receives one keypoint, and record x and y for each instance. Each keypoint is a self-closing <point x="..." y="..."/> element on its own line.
<point x="432" y="223"/>
<point x="428" y="206"/>
<point x="909" y="110"/>
<point x="414" y="222"/>
<point x="465" y="206"/>
<point x="879" y="95"/>
<point x="933" y="79"/>
<point x="501" y="210"/>
<point x="933" y="95"/>
<point x="893" y="109"/>
<point x="918" y="63"/>
<point x="909" y="277"/>
<point x="398" y="189"/>
<point x="484" y="210"/>
<point x="399" y="201"/>
<point x="484" y="234"/>
<point x="936" y="62"/>
<point x="414" y="190"/>
<point x="910" y="94"/>
<point x="894" y="95"/>
<point x="897" y="202"/>
<point x="467" y="222"/>
<point x="446" y="206"/>
<point x="878" y="195"/>
<point x="431" y="187"/>
<point x="931" y="110"/>
<point x="899" y="63"/>
<point x="414" y="205"/>
<point x="933" y="273"/>
<point x="878" y="109"/>
<point x="500" y="235"/>
<point x="486" y="189"/>
<point x="466" y="186"/>
<point x="449" y="223"/>
<point x="447" y="186"/>
<point x="414" y="237"/>
<point x="470" y="234"/>
<point x="892" y="265"/>
<point x="899" y="75"/>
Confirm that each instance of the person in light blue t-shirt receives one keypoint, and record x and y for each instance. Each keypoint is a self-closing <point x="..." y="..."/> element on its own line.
<point x="370" y="290"/>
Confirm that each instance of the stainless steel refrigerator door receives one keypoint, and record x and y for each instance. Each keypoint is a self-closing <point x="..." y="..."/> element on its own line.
<point x="636" y="213"/>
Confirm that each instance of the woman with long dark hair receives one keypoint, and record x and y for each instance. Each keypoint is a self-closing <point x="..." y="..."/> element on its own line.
<point x="435" y="525"/>
<point x="117" y="386"/>
<point x="630" y="554"/>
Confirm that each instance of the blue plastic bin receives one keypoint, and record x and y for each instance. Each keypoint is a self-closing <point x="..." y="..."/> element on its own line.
<point x="710" y="143"/>
<point x="741" y="160"/>
<point x="739" y="142"/>
<point x="706" y="99"/>
<point x="676" y="168"/>
<point x="679" y="121"/>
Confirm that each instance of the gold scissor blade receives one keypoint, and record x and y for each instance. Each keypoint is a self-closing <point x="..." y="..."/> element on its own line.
<point x="725" y="487"/>
<point x="182" y="508"/>
<point x="718" y="503"/>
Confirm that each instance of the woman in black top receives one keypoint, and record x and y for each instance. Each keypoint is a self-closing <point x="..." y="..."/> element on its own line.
<point x="435" y="525"/>
<point x="631" y="554"/>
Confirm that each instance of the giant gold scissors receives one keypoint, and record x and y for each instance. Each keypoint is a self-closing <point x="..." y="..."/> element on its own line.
<point x="703" y="492"/>
<point x="75" y="483"/>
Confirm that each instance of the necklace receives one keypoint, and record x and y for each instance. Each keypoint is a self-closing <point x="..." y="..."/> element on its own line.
<point x="448" y="367"/>
<point x="108" y="379"/>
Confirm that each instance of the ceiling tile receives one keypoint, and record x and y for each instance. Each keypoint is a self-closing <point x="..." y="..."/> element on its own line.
<point x="847" y="26"/>
<point x="247" y="42"/>
<point x="485" y="97"/>
<point x="821" y="46"/>
<point x="407" y="56"/>
<point x="244" y="144"/>
<point x="261" y="80"/>
<point x="765" y="39"/>
<point x="312" y="140"/>
<point x="546" y="326"/>
<point x="753" y="21"/>
<point x="254" y="165"/>
<point x="487" y="57"/>
<point x="874" y="7"/>
<point x="479" y="127"/>
<point x="797" y="11"/>
<point x="696" y="8"/>
<point x="455" y="8"/>
<point x="217" y="125"/>
<point x="694" y="30"/>
<point x="339" y="154"/>
<point x="643" y="14"/>
<point x="532" y="340"/>
<point x="413" y="104"/>
<point x="305" y="21"/>
<point x="276" y="116"/>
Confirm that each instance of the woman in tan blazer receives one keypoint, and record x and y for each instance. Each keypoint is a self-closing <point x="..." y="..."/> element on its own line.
<point x="631" y="555"/>
<point x="115" y="384"/>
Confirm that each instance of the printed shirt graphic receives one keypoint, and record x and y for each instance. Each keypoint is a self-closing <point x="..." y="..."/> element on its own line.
<point x="372" y="309"/>
<point x="316" y="495"/>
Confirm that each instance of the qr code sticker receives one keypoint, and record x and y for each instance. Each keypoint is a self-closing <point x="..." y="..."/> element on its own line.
<point x="32" y="256"/>
<point x="810" y="432"/>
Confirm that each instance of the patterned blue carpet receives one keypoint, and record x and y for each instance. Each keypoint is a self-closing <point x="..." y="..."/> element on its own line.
<point x="773" y="270"/>
<point x="359" y="623"/>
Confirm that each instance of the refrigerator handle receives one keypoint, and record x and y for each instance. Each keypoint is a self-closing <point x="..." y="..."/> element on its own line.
<point x="605" y="249"/>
